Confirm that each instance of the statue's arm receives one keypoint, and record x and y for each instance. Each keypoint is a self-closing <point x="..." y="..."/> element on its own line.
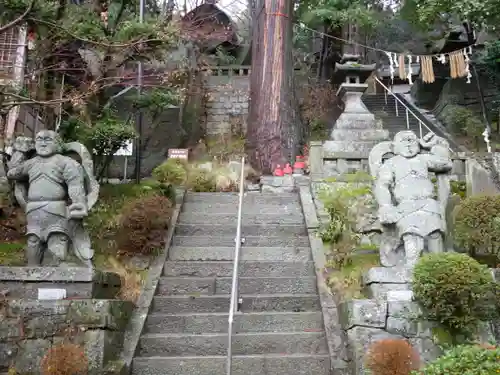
<point x="74" y="176"/>
<point x="439" y="160"/>
<point x="382" y="188"/>
<point x="19" y="172"/>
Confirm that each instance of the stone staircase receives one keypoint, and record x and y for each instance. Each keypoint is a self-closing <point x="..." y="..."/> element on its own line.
<point x="279" y="329"/>
<point x="386" y="112"/>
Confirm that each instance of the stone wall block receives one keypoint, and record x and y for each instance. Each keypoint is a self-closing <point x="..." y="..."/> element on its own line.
<point x="363" y="312"/>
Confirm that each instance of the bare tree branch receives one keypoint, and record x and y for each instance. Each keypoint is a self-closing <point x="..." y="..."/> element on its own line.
<point x="18" y="19"/>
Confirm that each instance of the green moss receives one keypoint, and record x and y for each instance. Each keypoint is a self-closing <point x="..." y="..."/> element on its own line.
<point x="12" y="254"/>
<point x="442" y="336"/>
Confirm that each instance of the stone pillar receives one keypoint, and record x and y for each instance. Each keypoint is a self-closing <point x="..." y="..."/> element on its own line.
<point x="315" y="159"/>
<point x="356" y="130"/>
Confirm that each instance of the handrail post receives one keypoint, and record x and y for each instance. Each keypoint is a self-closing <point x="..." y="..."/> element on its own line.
<point x="234" y="287"/>
<point x="407" y="120"/>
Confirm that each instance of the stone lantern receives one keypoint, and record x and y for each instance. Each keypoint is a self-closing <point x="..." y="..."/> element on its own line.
<point x="356" y="129"/>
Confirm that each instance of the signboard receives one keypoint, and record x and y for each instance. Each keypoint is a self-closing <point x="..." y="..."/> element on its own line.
<point x="51" y="294"/>
<point x="178" y="153"/>
<point x="127" y="150"/>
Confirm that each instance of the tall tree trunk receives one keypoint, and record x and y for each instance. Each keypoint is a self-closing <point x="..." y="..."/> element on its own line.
<point x="274" y="126"/>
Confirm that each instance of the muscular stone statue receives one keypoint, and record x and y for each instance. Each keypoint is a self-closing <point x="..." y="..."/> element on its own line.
<point x="408" y="210"/>
<point x="56" y="192"/>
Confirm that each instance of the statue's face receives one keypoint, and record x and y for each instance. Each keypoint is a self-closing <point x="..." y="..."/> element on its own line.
<point x="46" y="143"/>
<point x="406" y="144"/>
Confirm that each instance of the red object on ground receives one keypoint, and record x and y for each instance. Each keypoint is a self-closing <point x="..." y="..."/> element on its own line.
<point x="278" y="171"/>
<point x="287" y="169"/>
<point x="299" y="163"/>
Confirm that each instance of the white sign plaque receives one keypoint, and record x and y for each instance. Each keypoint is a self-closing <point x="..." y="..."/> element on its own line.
<point x="178" y="153"/>
<point x="127" y="150"/>
<point x="51" y="294"/>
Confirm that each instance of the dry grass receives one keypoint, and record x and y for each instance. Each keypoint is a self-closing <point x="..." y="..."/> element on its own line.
<point x="224" y="148"/>
<point x="131" y="280"/>
<point x="65" y="359"/>
<point x="347" y="281"/>
<point x="392" y="357"/>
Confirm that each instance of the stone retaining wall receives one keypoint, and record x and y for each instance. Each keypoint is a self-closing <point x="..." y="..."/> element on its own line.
<point x="391" y="313"/>
<point x="28" y="329"/>
<point x="31" y="322"/>
<point x="228" y="101"/>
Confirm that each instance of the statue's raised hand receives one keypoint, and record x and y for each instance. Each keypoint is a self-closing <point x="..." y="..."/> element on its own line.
<point x="429" y="140"/>
<point x="77" y="211"/>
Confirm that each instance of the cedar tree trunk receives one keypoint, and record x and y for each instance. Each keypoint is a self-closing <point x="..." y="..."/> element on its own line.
<point x="274" y="126"/>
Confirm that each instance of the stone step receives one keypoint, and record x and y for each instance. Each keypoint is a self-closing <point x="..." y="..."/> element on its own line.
<point x="252" y="219"/>
<point x="250" y="241"/>
<point x="179" y="253"/>
<point x="247" y="230"/>
<point x="156" y="344"/>
<point x="247" y="285"/>
<point x="246" y="269"/>
<point x="251" y="303"/>
<point x="250" y="198"/>
<point x="278" y="364"/>
<point x="232" y="208"/>
<point x="250" y="322"/>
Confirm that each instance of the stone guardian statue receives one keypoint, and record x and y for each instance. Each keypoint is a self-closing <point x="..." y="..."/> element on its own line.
<point x="412" y="218"/>
<point x="56" y="192"/>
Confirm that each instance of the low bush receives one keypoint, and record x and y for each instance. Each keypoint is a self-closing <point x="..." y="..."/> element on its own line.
<point x="392" y="357"/>
<point x="465" y="360"/>
<point x="65" y="359"/>
<point x="201" y="180"/>
<point x="172" y="171"/>
<point x="143" y="223"/>
<point x="460" y="120"/>
<point x="454" y="290"/>
<point x="477" y="225"/>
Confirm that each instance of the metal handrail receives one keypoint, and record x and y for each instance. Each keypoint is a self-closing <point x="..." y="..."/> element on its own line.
<point x="408" y="110"/>
<point x="233" y="306"/>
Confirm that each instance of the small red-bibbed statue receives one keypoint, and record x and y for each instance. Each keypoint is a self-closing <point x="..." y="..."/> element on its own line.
<point x="287" y="169"/>
<point x="278" y="171"/>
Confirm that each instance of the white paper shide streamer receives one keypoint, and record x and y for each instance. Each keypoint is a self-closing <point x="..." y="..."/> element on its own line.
<point x="391" y="66"/>
<point x="467" y="67"/>
<point x="410" y="81"/>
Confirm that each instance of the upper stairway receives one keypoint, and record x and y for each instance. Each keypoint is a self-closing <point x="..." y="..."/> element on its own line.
<point x="395" y="120"/>
<point x="279" y="329"/>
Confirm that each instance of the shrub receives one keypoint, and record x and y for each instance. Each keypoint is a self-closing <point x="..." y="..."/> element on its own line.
<point x="454" y="290"/>
<point x="172" y="171"/>
<point x="201" y="180"/>
<point x="392" y="357"/>
<point x="458" y="119"/>
<point x="344" y="204"/>
<point x="477" y="225"/>
<point x="465" y="360"/>
<point x="65" y="359"/>
<point x="143" y="223"/>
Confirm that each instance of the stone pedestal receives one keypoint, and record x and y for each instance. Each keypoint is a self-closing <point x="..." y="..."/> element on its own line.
<point x="46" y="306"/>
<point x="385" y="282"/>
<point x="390" y="313"/>
<point x="356" y="130"/>
<point x="57" y="283"/>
